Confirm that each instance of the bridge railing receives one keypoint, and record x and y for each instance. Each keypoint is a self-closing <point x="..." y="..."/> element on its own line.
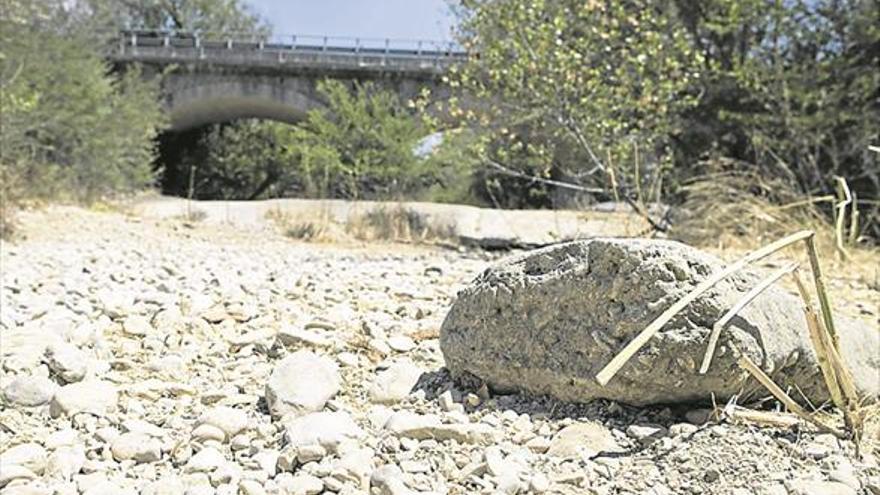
<point x="362" y="52"/>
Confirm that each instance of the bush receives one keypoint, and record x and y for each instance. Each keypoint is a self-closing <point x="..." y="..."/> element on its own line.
<point x="71" y="129"/>
<point x="361" y="146"/>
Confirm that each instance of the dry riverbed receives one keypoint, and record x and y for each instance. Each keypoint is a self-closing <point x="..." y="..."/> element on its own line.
<point x="146" y="356"/>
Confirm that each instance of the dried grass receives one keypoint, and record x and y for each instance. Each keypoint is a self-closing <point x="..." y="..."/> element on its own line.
<point x="396" y="224"/>
<point x="735" y="205"/>
<point x="382" y="224"/>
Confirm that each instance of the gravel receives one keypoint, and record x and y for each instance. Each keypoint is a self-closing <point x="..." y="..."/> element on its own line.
<point x="214" y="361"/>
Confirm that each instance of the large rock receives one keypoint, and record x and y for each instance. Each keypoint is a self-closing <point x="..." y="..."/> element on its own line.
<point x="548" y="320"/>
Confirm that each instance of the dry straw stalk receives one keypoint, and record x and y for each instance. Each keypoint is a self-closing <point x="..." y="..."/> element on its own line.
<point x="611" y="369"/>
<point x="742" y="303"/>
<point x="844" y="199"/>
<point x="748" y="365"/>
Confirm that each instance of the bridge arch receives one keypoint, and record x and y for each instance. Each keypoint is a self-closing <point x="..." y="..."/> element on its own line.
<point x="209" y="102"/>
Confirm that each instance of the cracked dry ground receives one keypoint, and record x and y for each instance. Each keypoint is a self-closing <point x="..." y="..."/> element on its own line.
<point x="148" y="357"/>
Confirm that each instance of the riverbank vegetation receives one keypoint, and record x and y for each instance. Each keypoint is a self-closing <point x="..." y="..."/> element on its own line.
<point x="743" y="111"/>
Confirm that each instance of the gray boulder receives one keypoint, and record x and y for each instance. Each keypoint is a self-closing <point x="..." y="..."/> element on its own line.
<point x="547" y="321"/>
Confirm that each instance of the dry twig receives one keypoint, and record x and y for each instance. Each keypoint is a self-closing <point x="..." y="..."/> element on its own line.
<point x="748" y="365"/>
<point x="742" y="303"/>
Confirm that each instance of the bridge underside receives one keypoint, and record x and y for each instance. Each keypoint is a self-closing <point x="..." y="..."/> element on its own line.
<point x="197" y="95"/>
<point x="222" y="108"/>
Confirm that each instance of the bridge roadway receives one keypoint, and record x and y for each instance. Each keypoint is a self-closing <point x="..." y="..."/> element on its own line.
<point x="415" y="58"/>
<point x="222" y="78"/>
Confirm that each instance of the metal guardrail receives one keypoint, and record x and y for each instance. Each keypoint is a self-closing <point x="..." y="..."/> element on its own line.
<point x="348" y="52"/>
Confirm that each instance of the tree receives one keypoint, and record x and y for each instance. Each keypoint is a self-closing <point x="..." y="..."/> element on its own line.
<point x="242" y="160"/>
<point x="791" y="87"/>
<point x="360" y="146"/>
<point x="70" y="128"/>
<point x="575" y="89"/>
<point x="215" y="16"/>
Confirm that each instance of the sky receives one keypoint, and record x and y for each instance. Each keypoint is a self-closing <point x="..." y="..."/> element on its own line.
<point x="397" y="19"/>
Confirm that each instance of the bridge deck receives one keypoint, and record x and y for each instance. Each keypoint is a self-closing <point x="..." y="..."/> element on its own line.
<point x="415" y="58"/>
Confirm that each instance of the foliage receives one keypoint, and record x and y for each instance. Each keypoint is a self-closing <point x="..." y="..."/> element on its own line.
<point x="240" y="160"/>
<point x="70" y="128"/>
<point x="791" y="87"/>
<point x="574" y="88"/>
<point x="218" y="16"/>
<point x="449" y="170"/>
<point x="360" y="146"/>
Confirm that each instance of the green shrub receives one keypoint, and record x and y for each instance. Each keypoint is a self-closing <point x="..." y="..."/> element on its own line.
<point x="72" y="129"/>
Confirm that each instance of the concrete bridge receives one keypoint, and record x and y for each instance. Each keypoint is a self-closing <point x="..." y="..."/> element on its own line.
<point x="222" y="78"/>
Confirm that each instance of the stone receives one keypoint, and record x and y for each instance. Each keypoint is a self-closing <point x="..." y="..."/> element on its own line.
<point x="24" y="347"/>
<point x="447" y="401"/>
<point x="136" y="326"/>
<point x="67" y="361"/>
<point x="302" y="484"/>
<point x="388" y="480"/>
<point x="538" y="445"/>
<point x="646" y="434"/>
<point x="289" y="335"/>
<point x="395" y="383"/>
<point x="141" y="426"/>
<point x="497" y="465"/>
<point x="401" y="343"/>
<point x="251" y="487"/>
<point x="586" y="439"/>
<point x="90" y="396"/>
<point x="847" y="476"/>
<point x="268" y="461"/>
<point x="105" y="487"/>
<point x="682" y="429"/>
<point x="301" y="383"/>
<point x="810" y="487"/>
<point x="29" y="455"/>
<point x="310" y="453"/>
<point x="354" y="467"/>
<point x="348" y="359"/>
<point x="324" y="429"/>
<point x="30" y="391"/>
<point x="28" y="489"/>
<point x="204" y="461"/>
<point x="207" y="433"/>
<point x="66" y="461"/>
<point x="699" y="417"/>
<point x="229" y="420"/>
<point x="407" y="424"/>
<point x="548" y="320"/>
<point x="539" y="483"/>
<point x="167" y="485"/>
<point x="13" y="473"/>
<point x="137" y="447"/>
<point x="509" y="484"/>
